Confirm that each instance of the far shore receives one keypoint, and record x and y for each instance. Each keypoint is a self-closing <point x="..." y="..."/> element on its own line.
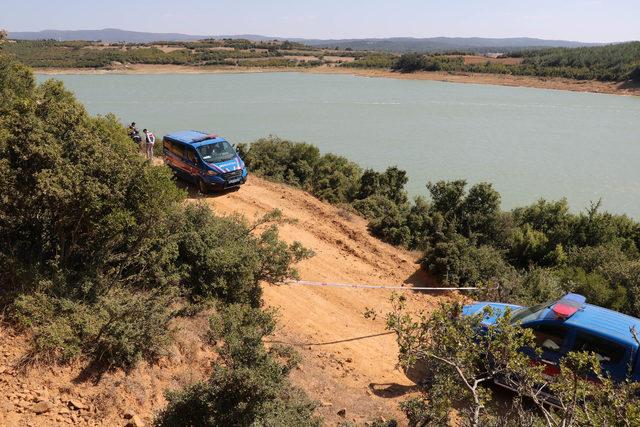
<point x="614" y="88"/>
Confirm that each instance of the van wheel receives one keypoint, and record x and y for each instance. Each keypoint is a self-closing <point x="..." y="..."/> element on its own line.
<point x="202" y="186"/>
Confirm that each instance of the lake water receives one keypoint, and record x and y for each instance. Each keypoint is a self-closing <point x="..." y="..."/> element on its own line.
<point x="530" y="143"/>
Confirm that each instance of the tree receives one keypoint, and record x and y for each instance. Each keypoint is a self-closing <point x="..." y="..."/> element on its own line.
<point x="480" y="213"/>
<point x="447" y="198"/>
<point x="389" y="184"/>
<point x="635" y="74"/>
<point x="410" y="62"/>
<point x="459" y="364"/>
<point x="96" y="240"/>
<point x="336" y="179"/>
<point x="460" y="356"/>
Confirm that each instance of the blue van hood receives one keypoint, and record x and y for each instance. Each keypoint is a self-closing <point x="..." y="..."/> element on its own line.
<point x="229" y="166"/>
<point x="498" y="310"/>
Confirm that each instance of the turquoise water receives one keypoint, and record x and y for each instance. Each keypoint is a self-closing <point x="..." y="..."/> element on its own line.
<point x="529" y="143"/>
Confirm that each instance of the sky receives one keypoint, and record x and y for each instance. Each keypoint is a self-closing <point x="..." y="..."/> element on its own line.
<point x="579" y="20"/>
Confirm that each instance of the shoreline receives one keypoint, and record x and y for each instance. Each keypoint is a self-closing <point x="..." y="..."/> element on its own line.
<point x="554" y="83"/>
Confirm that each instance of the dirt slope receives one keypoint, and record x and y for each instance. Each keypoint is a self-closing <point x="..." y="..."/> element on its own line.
<point x="348" y="361"/>
<point x="345" y="364"/>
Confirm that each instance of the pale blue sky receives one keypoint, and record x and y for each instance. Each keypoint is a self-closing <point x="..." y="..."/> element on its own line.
<point x="583" y="20"/>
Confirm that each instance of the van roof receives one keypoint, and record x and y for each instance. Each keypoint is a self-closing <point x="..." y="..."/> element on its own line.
<point x="193" y="137"/>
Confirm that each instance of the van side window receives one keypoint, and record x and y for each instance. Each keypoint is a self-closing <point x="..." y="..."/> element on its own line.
<point x="191" y="155"/>
<point x="606" y="351"/>
<point x="175" y="148"/>
<point x="549" y="337"/>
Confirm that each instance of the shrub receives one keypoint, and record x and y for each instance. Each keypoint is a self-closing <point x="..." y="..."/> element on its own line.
<point x="460" y="363"/>
<point x="410" y="62"/>
<point x="389" y="184"/>
<point x="538" y="285"/>
<point x="221" y="258"/>
<point x="118" y="330"/>
<point x="79" y="207"/>
<point x="282" y="160"/>
<point x="336" y="179"/>
<point x="96" y="239"/>
<point x="135" y="327"/>
<point x="387" y="220"/>
<point x="250" y="387"/>
<point x="454" y="260"/>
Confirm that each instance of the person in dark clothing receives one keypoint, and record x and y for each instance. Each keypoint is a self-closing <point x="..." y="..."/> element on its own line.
<point x="134" y="134"/>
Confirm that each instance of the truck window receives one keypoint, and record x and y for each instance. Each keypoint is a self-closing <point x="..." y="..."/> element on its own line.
<point x="549" y="337"/>
<point x="606" y="351"/>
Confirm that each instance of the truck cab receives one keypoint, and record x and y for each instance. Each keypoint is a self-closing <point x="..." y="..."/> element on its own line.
<point x="204" y="159"/>
<point x="572" y="325"/>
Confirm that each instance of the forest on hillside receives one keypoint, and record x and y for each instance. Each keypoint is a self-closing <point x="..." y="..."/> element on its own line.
<point x="619" y="62"/>
<point x="616" y="62"/>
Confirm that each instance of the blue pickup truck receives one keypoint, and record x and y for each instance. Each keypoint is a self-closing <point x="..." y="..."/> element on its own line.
<point x="570" y="324"/>
<point x="204" y="159"/>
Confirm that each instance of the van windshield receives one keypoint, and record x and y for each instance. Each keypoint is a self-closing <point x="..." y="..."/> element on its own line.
<point x="527" y="314"/>
<point x="217" y="152"/>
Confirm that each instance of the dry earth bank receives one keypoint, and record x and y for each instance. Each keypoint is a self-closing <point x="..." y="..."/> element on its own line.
<point x="348" y="361"/>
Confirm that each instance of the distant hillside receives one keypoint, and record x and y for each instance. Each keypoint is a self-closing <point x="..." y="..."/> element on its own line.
<point x="115" y="35"/>
<point x="395" y="44"/>
<point x="440" y="44"/>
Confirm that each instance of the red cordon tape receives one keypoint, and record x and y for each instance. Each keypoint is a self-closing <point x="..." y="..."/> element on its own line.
<point x="399" y="288"/>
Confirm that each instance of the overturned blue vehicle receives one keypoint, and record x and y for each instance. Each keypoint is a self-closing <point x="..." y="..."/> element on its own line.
<point x="572" y="325"/>
<point x="204" y="159"/>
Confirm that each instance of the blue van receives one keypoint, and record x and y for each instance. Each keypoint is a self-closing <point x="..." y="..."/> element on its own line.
<point x="204" y="159"/>
<point x="570" y="324"/>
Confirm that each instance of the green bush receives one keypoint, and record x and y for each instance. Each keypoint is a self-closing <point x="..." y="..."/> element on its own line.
<point x="118" y="330"/>
<point x="250" y="387"/>
<point x="221" y="258"/>
<point x="336" y="179"/>
<point x="456" y="261"/>
<point x="96" y="240"/>
<point x="387" y="220"/>
<point x="461" y="364"/>
<point x="531" y="252"/>
<point x="282" y="160"/>
<point x="80" y="208"/>
<point x="389" y="184"/>
<point x="410" y="62"/>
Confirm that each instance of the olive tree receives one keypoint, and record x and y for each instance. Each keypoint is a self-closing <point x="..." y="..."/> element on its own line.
<point x="457" y="357"/>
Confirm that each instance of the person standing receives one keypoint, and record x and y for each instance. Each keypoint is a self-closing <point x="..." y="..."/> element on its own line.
<point x="150" y="140"/>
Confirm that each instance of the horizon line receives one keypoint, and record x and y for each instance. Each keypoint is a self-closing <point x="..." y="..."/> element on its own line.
<point x="321" y="38"/>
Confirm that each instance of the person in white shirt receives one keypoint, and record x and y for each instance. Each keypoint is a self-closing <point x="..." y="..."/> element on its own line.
<point x="150" y="140"/>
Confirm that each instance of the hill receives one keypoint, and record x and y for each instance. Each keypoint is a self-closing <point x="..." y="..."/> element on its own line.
<point x="445" y="44"/>
<point x="115" y="35"/>
<point x="393" y="44"/>
<point x="346" y="363"/>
